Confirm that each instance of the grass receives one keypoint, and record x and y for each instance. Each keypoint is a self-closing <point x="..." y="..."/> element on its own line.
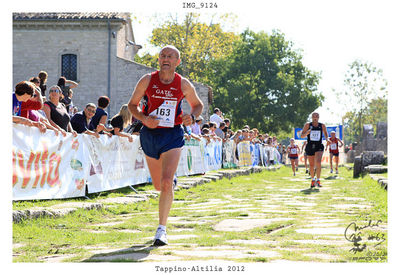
<point x="243" y="197"/>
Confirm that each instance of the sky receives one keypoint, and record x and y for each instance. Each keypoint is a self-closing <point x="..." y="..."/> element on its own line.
<point x="331" y="35"/>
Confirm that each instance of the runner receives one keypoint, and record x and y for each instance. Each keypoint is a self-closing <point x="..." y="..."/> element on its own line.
<point x="334" y="150"/>
<point x="162" y="135"/>
<point x="314" y="147"/>
<point x="293" y="151"/>
<point x="305" y="156"/>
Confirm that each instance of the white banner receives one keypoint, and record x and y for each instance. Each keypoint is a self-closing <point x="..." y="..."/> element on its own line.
<point x="46" y="166"/>
<point x="115" y="163"/>
<point x="213" y="155"/>
<point x="191" y="161"/>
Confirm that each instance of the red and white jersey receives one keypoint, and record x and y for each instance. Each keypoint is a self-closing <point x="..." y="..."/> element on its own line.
<point x="164" y="100"/>
<point x="293" y="151"/>
<point x="334" y="146"/>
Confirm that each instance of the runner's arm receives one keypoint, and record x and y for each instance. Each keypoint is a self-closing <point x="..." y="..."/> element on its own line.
<point x="328" y="141"/>
<point x="134" y="102"/>
<point x="193" y="99"/>
<point x="306" y="130"/>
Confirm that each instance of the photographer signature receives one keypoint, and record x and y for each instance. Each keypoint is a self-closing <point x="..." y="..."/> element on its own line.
<point x="356" y="236"/>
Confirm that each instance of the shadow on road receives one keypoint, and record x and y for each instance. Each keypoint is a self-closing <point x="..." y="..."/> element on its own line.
<point x="309" y="191"/>
<point x="135" y="253"/>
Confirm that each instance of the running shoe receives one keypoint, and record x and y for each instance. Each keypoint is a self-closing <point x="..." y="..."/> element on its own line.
<point x="160" y="238"/>
<point x="312" y="183"/>
<point x="297" y="169"/>
<point x="318" y="183"/>
<point x="175" y="182"/>
<point x="294" y="174"/>
<point x="337" y="172"/>
<point x="331" y="171"/>
<point x="306" y="171"/>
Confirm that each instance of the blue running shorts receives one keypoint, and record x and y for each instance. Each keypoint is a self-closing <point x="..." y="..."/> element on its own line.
<point x="154" y="142"/>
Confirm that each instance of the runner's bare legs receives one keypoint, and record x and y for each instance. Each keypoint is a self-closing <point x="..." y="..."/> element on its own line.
<point x="162" y="172"/>
<point x="318" y="158"/>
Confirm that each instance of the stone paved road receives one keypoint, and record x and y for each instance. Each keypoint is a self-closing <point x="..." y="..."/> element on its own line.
<point x="267" y="217"/>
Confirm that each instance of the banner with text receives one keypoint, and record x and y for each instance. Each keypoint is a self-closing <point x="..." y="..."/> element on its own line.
<point x="46" y="166"/>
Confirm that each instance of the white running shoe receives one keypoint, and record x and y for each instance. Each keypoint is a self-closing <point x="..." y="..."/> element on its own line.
<point x="160" y="238"/>
<point x="337" y="172"/>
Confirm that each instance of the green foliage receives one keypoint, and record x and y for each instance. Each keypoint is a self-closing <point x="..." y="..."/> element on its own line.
<point x="198" y="42"/>
<point x="364" y="98"/>
<point x="264" y="84"/>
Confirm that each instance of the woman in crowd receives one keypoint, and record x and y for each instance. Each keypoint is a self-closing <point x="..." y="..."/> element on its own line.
<point x="99" y="119"/>
<point x="66" y="86"/>
<point x="121" y="121"/>
<point x="56" y="112"/>
<point x="43" y="79"/>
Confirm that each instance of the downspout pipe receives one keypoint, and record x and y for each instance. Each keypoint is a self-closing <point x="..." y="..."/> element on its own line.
<point x="109" y="66"/>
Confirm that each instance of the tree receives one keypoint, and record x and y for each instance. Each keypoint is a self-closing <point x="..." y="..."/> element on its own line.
<point x="198" y="42"/>
<point x="364" y="83"/>
<point x="264" y="84"/>
<point x="376" y="111"/>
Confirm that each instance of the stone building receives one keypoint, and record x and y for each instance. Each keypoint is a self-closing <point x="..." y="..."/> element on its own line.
<point x="94" y="49"/>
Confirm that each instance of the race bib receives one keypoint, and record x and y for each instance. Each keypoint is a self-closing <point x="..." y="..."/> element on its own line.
<point x="315" y="135"/>
<point x="333" y="146"/>
<point x="166" y="113"/>
<point x="293" y="151"/>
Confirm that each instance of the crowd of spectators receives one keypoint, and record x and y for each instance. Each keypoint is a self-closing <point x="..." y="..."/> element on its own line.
<point x="58" y="113"/>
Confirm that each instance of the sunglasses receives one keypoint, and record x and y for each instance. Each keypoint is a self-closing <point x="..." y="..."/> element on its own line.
<point x="91" y="111"/>
<point x="54" y="90"/>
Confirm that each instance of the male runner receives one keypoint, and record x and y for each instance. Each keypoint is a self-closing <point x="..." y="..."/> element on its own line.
<point x="162" y="136"/>
<point x="314" y="147"/>
<point x="334" y="150"/>
<point x="293" y="152"/>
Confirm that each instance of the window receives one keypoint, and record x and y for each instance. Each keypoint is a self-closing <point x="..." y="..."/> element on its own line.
<point x="69" y="66"/>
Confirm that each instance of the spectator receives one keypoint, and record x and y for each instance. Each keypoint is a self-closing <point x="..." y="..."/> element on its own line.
<point x="67" y="101"/>
<point x="66" y="85"/>
<point x="121" y="121"/>
<point x="74" y="110"/>
<point x="43" y="79"/>
<point x="24" y="91"/>
<point x="227" y="125"/>
<point x="205" y="126"/>
<point x="100" y="117"/>
<point x="217" y="117"/>
<point x="220" y="131"/>
<point x="32" y="109"/>
<point x="196" y="125"/>
<point x="56" y="112"/>
<point x="81" y="121"/>
<point x="213" y="127"/>
<point x="284" y="154"/>
<point x="35" y="103"/>
<point x="35" y="80"/>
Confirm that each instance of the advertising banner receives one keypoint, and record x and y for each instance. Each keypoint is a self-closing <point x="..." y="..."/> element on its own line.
<point x="114" y="163"/>
<point x="228" y="154"/>
<point x="244" y="153"/>
<point x="46" y="166"/>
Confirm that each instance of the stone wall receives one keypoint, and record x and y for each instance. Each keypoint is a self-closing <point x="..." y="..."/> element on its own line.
<point x="40" y="48"/>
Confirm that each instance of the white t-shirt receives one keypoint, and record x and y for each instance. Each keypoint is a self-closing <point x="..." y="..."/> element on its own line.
<point x="217" y="119"/>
